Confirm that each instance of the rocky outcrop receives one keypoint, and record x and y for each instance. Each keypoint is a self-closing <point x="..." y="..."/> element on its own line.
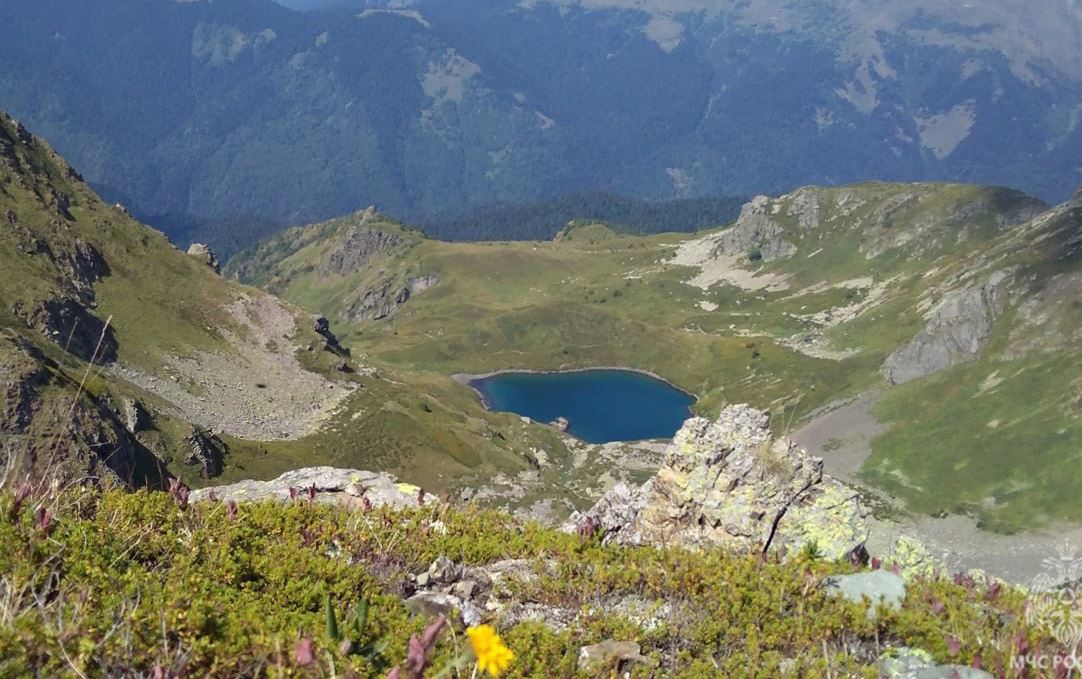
<point x="48" y="427"/>
<point x="957" y="329"/>
<point x="419" y="284"/>
<point x="730" y="484"/>
<point x="204" y="254"/>
<point x="322" y="328"/>
<point x="756" y="235"/>
<point x="20" y="378"/>
<point x="64" y="316"/>
<point x="70" y="325"/>
<point x="804" y="208"/>
<point x="360" y="245"/>
<point x="133" y="415"/>
<point x="206" y="452"/>
<point x="351" y="487"/>
<point x="385" y="297"/>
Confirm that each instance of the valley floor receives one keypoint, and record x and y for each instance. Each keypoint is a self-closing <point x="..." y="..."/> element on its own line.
<point x="841" y="434"/>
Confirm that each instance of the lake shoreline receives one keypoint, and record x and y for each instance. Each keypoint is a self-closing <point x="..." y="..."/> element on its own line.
<point x="468" y="379"/>
<point x="477" y="381"/>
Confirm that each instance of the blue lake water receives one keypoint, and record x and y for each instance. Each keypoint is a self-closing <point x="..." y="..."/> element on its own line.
<point x="600" y="405"/>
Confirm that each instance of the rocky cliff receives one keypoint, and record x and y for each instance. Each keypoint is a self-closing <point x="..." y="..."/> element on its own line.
<point x="958" y="328"/>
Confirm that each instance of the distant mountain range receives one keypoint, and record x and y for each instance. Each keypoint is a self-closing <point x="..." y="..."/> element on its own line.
<point x="193" y="113"/>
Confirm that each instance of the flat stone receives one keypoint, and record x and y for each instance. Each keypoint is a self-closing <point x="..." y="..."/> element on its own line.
<point x="353" y="487"/>
<point x="876" y="586"/>
<point x="607" y="653"/>
<point x="431" y="604"/>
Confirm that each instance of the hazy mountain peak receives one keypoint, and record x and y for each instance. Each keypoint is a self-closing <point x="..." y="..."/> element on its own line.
<point x="1032" y="36"/>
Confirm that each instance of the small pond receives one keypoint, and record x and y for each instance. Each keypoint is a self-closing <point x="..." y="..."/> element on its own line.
<point x="600" y="405"/>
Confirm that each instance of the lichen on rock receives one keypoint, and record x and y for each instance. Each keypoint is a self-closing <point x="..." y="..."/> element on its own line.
<point x="729" y="483"/>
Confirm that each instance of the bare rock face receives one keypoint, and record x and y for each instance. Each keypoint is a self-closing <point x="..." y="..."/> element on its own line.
<point x="133" y="415"/>
<point x="957" y="329"/>
<point x="68" y="323"/>
<point x="757" y="236"/>
<point x="360" y="246"/>
<point x="37" y="409"/>
<point x="385" y="297"/>
<point x="730" y="484"/>
<point x="351" y="487"/>
<point x="203" y="253"/>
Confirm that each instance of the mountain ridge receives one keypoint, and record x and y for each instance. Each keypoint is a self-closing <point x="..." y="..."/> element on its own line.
<point x="255" y="113"/>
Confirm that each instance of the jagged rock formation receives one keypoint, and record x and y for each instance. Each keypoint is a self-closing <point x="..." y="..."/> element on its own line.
<point x="729" y="483"/>
<point x="351" y="487"/>
<point x="957" y="329"/>
<point x="206" y="452"/>
<point x="204" y="254"/>
<point x="322" y="327"/>
<point x="70" y="325"/>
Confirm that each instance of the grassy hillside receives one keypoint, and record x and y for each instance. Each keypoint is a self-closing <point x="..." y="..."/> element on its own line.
<point x="100" y="313"/>
<point x="144" y="584"/>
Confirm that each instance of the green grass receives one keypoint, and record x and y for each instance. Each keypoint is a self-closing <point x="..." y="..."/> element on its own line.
<point x="1010" y="455"/>
<point x="123" y="583"/>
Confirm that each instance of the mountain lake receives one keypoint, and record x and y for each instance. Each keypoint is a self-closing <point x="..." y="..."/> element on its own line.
<point x="601" y="405"/>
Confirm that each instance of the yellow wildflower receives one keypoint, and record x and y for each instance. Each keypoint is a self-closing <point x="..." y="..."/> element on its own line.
<point x="492" y="655"/>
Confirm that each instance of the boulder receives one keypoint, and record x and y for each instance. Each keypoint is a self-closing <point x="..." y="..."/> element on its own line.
<point x="610" y="654"/>
<point x="351" y="487"/>
<point x="204" y="254"/>
<point x="729" y="483"/>
<point x="876" y="587"/>
<point x="432" y="604"/>
<point x="443" y="571"/>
